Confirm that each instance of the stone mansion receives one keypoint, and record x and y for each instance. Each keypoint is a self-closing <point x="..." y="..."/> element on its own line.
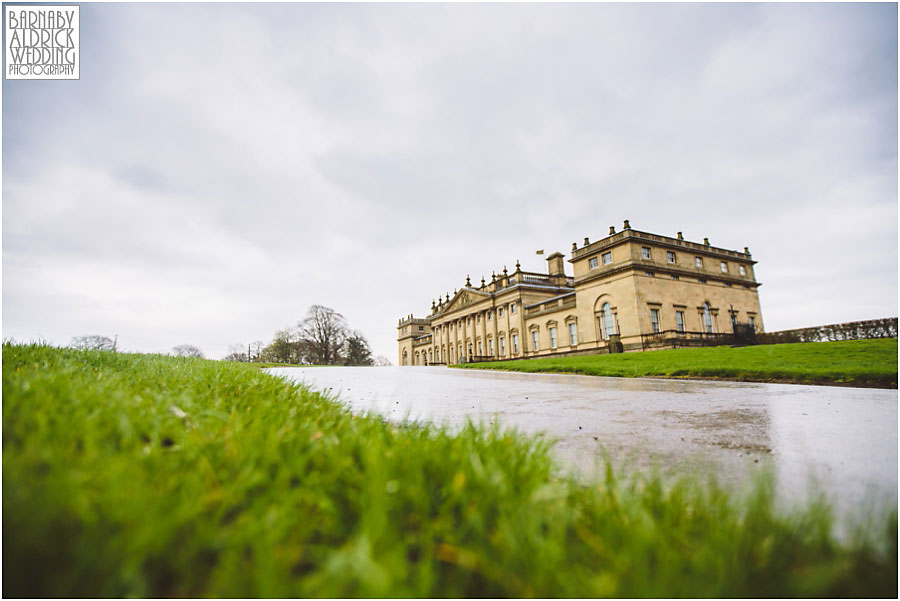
<point x="631" y="291"/>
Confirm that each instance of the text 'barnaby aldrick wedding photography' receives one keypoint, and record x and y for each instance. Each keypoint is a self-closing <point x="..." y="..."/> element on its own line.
<point x="42" y="42"/>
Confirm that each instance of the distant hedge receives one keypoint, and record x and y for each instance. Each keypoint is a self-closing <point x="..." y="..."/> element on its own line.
<point x="854" y="330"/>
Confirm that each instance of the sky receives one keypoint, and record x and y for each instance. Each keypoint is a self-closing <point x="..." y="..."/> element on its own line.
<point x="218" y="169"/>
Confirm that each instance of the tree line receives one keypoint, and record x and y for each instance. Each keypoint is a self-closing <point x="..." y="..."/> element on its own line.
<point x="323" y="337"/>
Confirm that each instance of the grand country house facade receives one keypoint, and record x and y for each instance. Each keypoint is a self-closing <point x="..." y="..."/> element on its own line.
<point x="631" y="290"/>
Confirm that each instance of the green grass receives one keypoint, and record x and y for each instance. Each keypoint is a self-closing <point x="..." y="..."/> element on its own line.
<point x="851" y="362"/>
<point x="151" y="476"/>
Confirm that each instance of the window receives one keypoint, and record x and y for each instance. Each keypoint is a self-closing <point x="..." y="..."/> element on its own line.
<point x="752" y="322"/>
<point x="707" y="319"/>
<point x="421" y="328"/>
<point x="702" y="280"/>
<point x="742" y="269"/>
<point x="654" y="320"/>
<point x="607" y="321"/>
<point x="502" y="345"/>
<point x="534" y="341"/>
<point x="679" y="321"/>
<point x="673" y="276"/>
<point x="491" y="347"/>
<point x="552" y="337"/>
<point x="649" y="274"/>
<point x="724" y="267"/>
<point x="607" y="258"/>
<point x="479" y="347"/>
<point x="488" y="315"/>
<point x="478" y="319"/>
<point x="512" y="307"/>
<point x="573" y="335"/>
<point x="670" y="256"/>
<point x="698" y="262"/>
<point x="500" y="312"/>
<point x="515" y="344"/>
<point x="592" y="262"/>
<point x="645" y="252"/>
<point x="727" y="284"/>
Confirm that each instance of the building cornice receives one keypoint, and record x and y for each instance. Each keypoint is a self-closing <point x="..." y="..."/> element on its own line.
<point x="634" y="266"/>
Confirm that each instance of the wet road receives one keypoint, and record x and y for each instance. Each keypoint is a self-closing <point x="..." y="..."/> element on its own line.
<point x="842" y="441"/>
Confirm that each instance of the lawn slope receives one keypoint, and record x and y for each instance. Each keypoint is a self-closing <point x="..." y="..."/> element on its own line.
<point x="852" y="362"/>
<point x="150" y="476"/>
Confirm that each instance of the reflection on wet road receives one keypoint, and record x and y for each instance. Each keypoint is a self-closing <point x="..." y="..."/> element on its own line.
<point x="842" y="439"/>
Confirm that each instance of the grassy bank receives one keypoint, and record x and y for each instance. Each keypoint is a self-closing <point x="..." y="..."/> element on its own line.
<point x="149" y="476"/>
<point x="852" y="362"/>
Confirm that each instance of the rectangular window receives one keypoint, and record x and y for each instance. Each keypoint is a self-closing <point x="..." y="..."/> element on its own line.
<point x="679" y="321"/>
<point x="645" y="252"/>
<point x="654" y="320"/>
<point x="592" y="262"/>
<point x="512" y="307"/>
<point x="500" y="312"/>
<point x="607" y="258"/>
<point x="742" y="269"/>
<point x="673" y="276"/>
<point x="421" y="328"/>
<point x="489" y="315"/>
<point x="698" y="262"/>
<point x="573" y="335"/>
<point x="724" y="267"/>
<point x="670" y="256"/>
<point x="649" y="274"/>
<point x="491" y="347"/>
<point x="503" y="346"/>
<point x="515" y="343"/>
<point x="752" y="322"/>
<point x="478" y="319"/>
<point x="534" y="341"/>
<point x="479" y="347"/>
<point x="552" y="337"/>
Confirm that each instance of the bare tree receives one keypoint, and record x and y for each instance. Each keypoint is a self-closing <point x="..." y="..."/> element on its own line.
<point x="254" y="351"/>
<point x="92" y="342"/>
<point x="322" y="334"/>
<point x="187" y="350"/>
<point x="382" y="361"/>
<point x="236" y="353"/>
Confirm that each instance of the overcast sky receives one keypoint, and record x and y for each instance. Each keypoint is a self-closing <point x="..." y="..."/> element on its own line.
<point x="219" y="168"/>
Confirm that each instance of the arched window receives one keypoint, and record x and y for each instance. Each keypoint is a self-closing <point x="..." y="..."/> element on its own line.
<point x="707" y="318"/>
<point x="609" y="327"/>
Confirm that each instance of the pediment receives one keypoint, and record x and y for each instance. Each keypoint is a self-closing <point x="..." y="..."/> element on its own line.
<point x="464" y="298"/>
